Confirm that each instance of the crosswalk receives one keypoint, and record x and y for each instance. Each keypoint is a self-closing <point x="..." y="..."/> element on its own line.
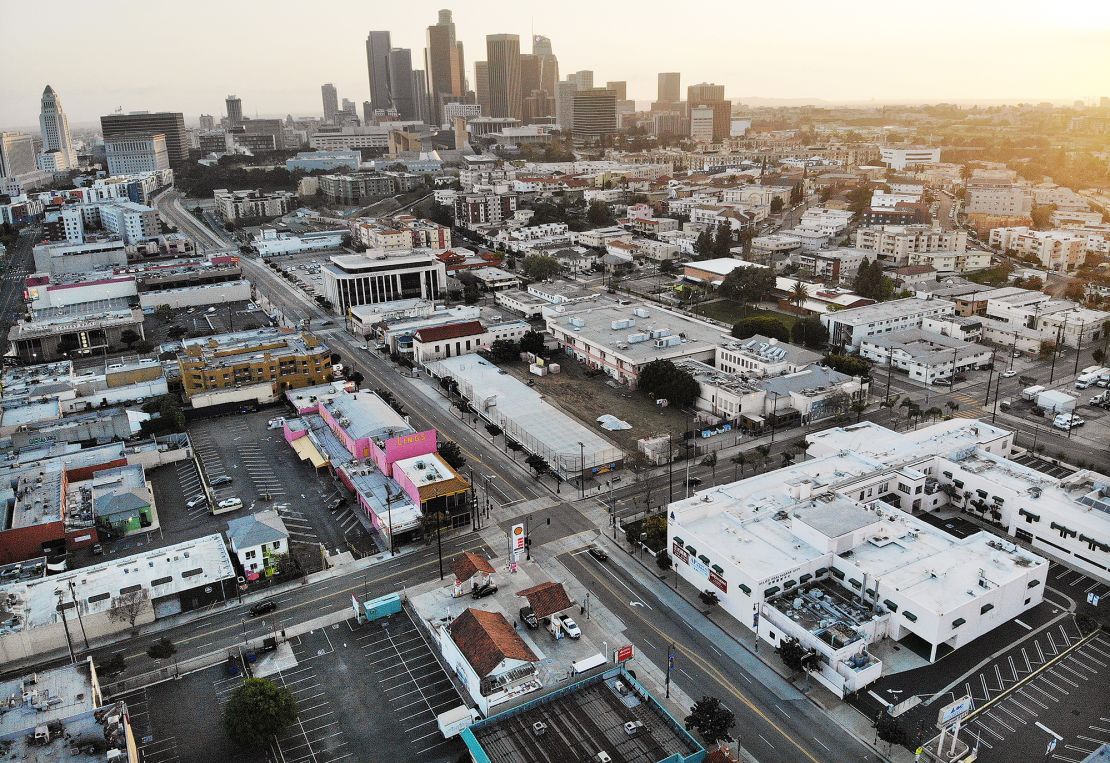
<point x="970" y="407"/>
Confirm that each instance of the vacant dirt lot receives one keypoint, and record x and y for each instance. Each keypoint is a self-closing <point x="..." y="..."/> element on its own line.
<point x="587" y="398"/>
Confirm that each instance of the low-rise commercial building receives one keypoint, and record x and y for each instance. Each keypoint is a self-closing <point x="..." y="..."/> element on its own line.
<point x="376" y="277"/>
<point x="828" y="551"/>
<point x="313" y="161"/>
<point x="848" y="328"/>
<point x="900" y="158"/>
<point x="455" y="339"/>
<point x="761" y="356"/>
<point x="924" y="355"/>
<point x="270" y="242"/>
<point x="84" y="329"/>
<point x="713" y="272"/>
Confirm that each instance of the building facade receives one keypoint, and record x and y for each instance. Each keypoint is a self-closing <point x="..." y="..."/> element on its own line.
<point x="128" y="156"/>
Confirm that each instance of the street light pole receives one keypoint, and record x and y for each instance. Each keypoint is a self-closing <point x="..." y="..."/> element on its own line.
<point x="80" y="620"/>
<point x="65" y="622"/>
<point x="581" y="470"/>
<point x="670" y="667"/>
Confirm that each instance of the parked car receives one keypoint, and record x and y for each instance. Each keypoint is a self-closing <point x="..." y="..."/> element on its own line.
<point x="277" y="423"/>
<point x="528" y="617"/>
<point x="1008" y="374"/>
<point x="262" y="608"/>
<point x="693" y="481"/>
<point x="570" y="627"/>
<point x="942" y="382"/>
<point x="223" y="479"/>
<point x="97" y="549"/>
<point x="229" y="503"/>
<point x="599" y="554"/>
<point x="484" y="590"/>
<point x="196" y="500"/>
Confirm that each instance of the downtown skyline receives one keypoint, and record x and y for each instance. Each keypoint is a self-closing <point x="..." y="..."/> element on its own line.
<point x="812" y="61"/>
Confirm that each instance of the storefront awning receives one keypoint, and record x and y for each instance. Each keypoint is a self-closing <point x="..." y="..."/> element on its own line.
<point x="306" y="451"/>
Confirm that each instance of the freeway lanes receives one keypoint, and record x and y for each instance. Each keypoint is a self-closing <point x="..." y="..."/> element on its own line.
<point x="16" y="269"/>
<point x="774" y="721"/>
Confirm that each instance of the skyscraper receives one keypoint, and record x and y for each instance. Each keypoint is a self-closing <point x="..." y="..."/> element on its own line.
<point x="400" y="82"/>
<point x="234" y="110"/>
<point x="145" y="124"/>
<point x="670" y="87"/>
<point x="529" y="74"/>
<point x="564" y="104"/>
<point x="367" y="113"/>
<point x="583" y="80"/>
<point x="377" y="66"/>
<point x="620" y="88"/>
<point x="443" y="61"/>
<point x="595" y="114"/>
<point x="207" y="122"/>
<point x="713" y="97"/>
<point x="503" y="58"/>
<point x="55" y="128"/>
<point x="17" y="154"/>
<point x="704" y="92"/>
<point x="420" y="96"/>
<point x="549" y="64"/>
<point x="481" y="86"/>
<point x="331" y="102"/>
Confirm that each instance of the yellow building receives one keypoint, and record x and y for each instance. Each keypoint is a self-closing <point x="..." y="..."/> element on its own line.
<point x="282" y="357"/>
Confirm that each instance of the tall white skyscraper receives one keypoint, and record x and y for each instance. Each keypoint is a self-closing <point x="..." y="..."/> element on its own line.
<point x="55" y="130"/>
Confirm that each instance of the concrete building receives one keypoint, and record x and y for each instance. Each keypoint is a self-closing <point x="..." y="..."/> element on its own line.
<point x="54" y="125"/>
<point x="569" y="448"/>
<point x="238" y="205"/>
<point x="481" y="87"/>
<point x="998" y="199"/>
<point x="901" y="158"/>
<point x="85" y="329"/>
<point x="131" y="222"/>
<point x="455" y="339"/>
<point x="1057" y="250"/>
<point x="848" y="328"/>
<point x="443" y="62"/>
<point x="234" y="106"/>
<point x="925" y="356"/>
<point x="620" y="340"/>
<point x="564" y="104"/>
<point x="761" y="356"/>
<point x="330" y="99"/>
<point x="714" y="272"/>
<point x="377" y="277"/>
<point x="377" y="66"/>
<point x="472" y="209"/>
<point x="828" y="551"/>
<point x="17" y="155"/>
<point x="896" y="243"/>
<point x="128" y="156"/>
<point x="309" y="161"/>
<point x="276" y="359"/>
<point x="145" y="124"/>
<point x="594" y="114"/>
<point x="503" y="61"/>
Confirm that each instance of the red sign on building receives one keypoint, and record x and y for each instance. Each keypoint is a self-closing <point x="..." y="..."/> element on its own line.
<point x="680" y="553"/>
<point x="718" y="581"/>
<point x="625" y="653"/>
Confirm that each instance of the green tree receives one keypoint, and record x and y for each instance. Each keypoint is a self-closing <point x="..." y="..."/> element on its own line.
<point x="795" y="656"/>
<point x="504" y="350"/>
<point x="711" y="719"/>
<point x="703" y="245"/>
<point x="539" y="267"/>
<point x="1041" y="214"/>
<point x="450" y="452"/>
<point x="666" y="266"/>
<point x="848" y="364"/>
<point x="598" y="213"/>
<point x="161" y="649"/>
<point x="257" y="712"/>
<point x="810" y="332"/>
<point x="723" y="242"/>
<point x="663" y="379"/>
<point x="764" y="325"/>
<point x="532" y="342"/>
<point x="748" y="284"/>
<point x="1098" y="355"/>
<point x="776" y="205"/>
<point x="799" y="293"/>
<point x="129" y="337"/>
<point x="890" y="730"/>
<point x="711" y="461"/>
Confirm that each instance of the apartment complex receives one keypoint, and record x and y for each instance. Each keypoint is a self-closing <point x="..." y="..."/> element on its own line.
<point x="848" y="328"/>
<point x="896" y="243"/>
<point x="281" y="359"/>
<point x="238" y="205"/>
<point x="998" y="199"/>
<point x="1057" y="250"/>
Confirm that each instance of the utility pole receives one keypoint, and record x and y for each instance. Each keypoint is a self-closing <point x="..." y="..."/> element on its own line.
<point x="670" y="667"/>
<point x="1078" y="346"/>
<point x="81" y="620"/>
<point x="990" y="375"/>
<point x="1056" y="351"/>
<point x="581" y="470"/>
<point x="670" y="469"/>
<point x="65" y="622"/>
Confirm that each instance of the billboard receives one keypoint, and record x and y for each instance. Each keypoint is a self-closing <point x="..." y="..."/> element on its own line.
<point x="516" y="538"/>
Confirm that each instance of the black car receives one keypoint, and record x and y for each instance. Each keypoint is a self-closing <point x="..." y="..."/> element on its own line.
<point x="484" y="590"/>
<point x="693" y="481"/>
<point x="599" y="554"/>
<point x="528" y="617"/>
<point x="223" y="479"/>
<point x="262" y="608"/>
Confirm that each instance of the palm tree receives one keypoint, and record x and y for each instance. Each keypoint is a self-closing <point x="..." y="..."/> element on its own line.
<point x="932" y="413"/>
<point x="739" y="459"/>
<point x="799" y="293"/>
<point x="764" y="452"/>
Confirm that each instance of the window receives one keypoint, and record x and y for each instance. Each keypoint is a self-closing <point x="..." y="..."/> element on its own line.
<point x="277" y="545"/>
<point x="160" y="581"/>
<point x="130" y="589"/>
<point x="250" y="554"/>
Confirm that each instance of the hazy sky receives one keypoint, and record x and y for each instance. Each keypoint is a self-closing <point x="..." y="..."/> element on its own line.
<point x="187" y="55"/>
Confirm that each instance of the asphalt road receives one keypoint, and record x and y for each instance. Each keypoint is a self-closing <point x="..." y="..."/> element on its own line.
<point x="774" y="720"/>
<point x="18" y="265"/>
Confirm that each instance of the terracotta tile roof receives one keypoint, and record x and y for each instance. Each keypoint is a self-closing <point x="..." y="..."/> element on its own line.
<point x="547" y="598"/>
<point x="450" y="331"/>
<point x="487" y="638"/>
<point x="467" y="564"/>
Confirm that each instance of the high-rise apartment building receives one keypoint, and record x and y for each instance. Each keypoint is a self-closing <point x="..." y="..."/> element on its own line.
<point x="670" y="87"/>
<point x="331" y="102"/>
<point x="481" y="86"/>
<point x="54" y="125"/>
<point x="400" y="82"/>
<point x="503" y="58"/>
<point x="17" y="154"/>
<point x="145" y="124"/>
<point x="207" y="122"/>
<point x="377" y="66"/>
<point x="583" y="80"/>
<point x="234" y="110"/>
<point x="130" y="156"/>
<point x="595" y="114"/>
<point x="443" y="62"/>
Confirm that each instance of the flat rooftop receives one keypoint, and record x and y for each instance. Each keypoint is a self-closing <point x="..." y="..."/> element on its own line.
<point x="926" y="346"/>
<point x="365" y="415"/>
<point x="582" y="720"/>
<point x="874" y="442"/>
<point x="893" y="310"/>
<point x="223" y="350"/>
<point x="47" y="696"/>
<point x="628" y="329"/>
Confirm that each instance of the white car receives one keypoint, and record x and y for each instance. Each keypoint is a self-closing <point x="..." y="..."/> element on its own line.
<point x="1008" y="374"/>
<point x="229" y="503"/>
<point x="570" y="627"/>
<point x="277" y="423"/>
<point x="363" y="347"/>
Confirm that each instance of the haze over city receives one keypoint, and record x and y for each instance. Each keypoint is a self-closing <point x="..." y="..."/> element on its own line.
<point x="275" y="54"/>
